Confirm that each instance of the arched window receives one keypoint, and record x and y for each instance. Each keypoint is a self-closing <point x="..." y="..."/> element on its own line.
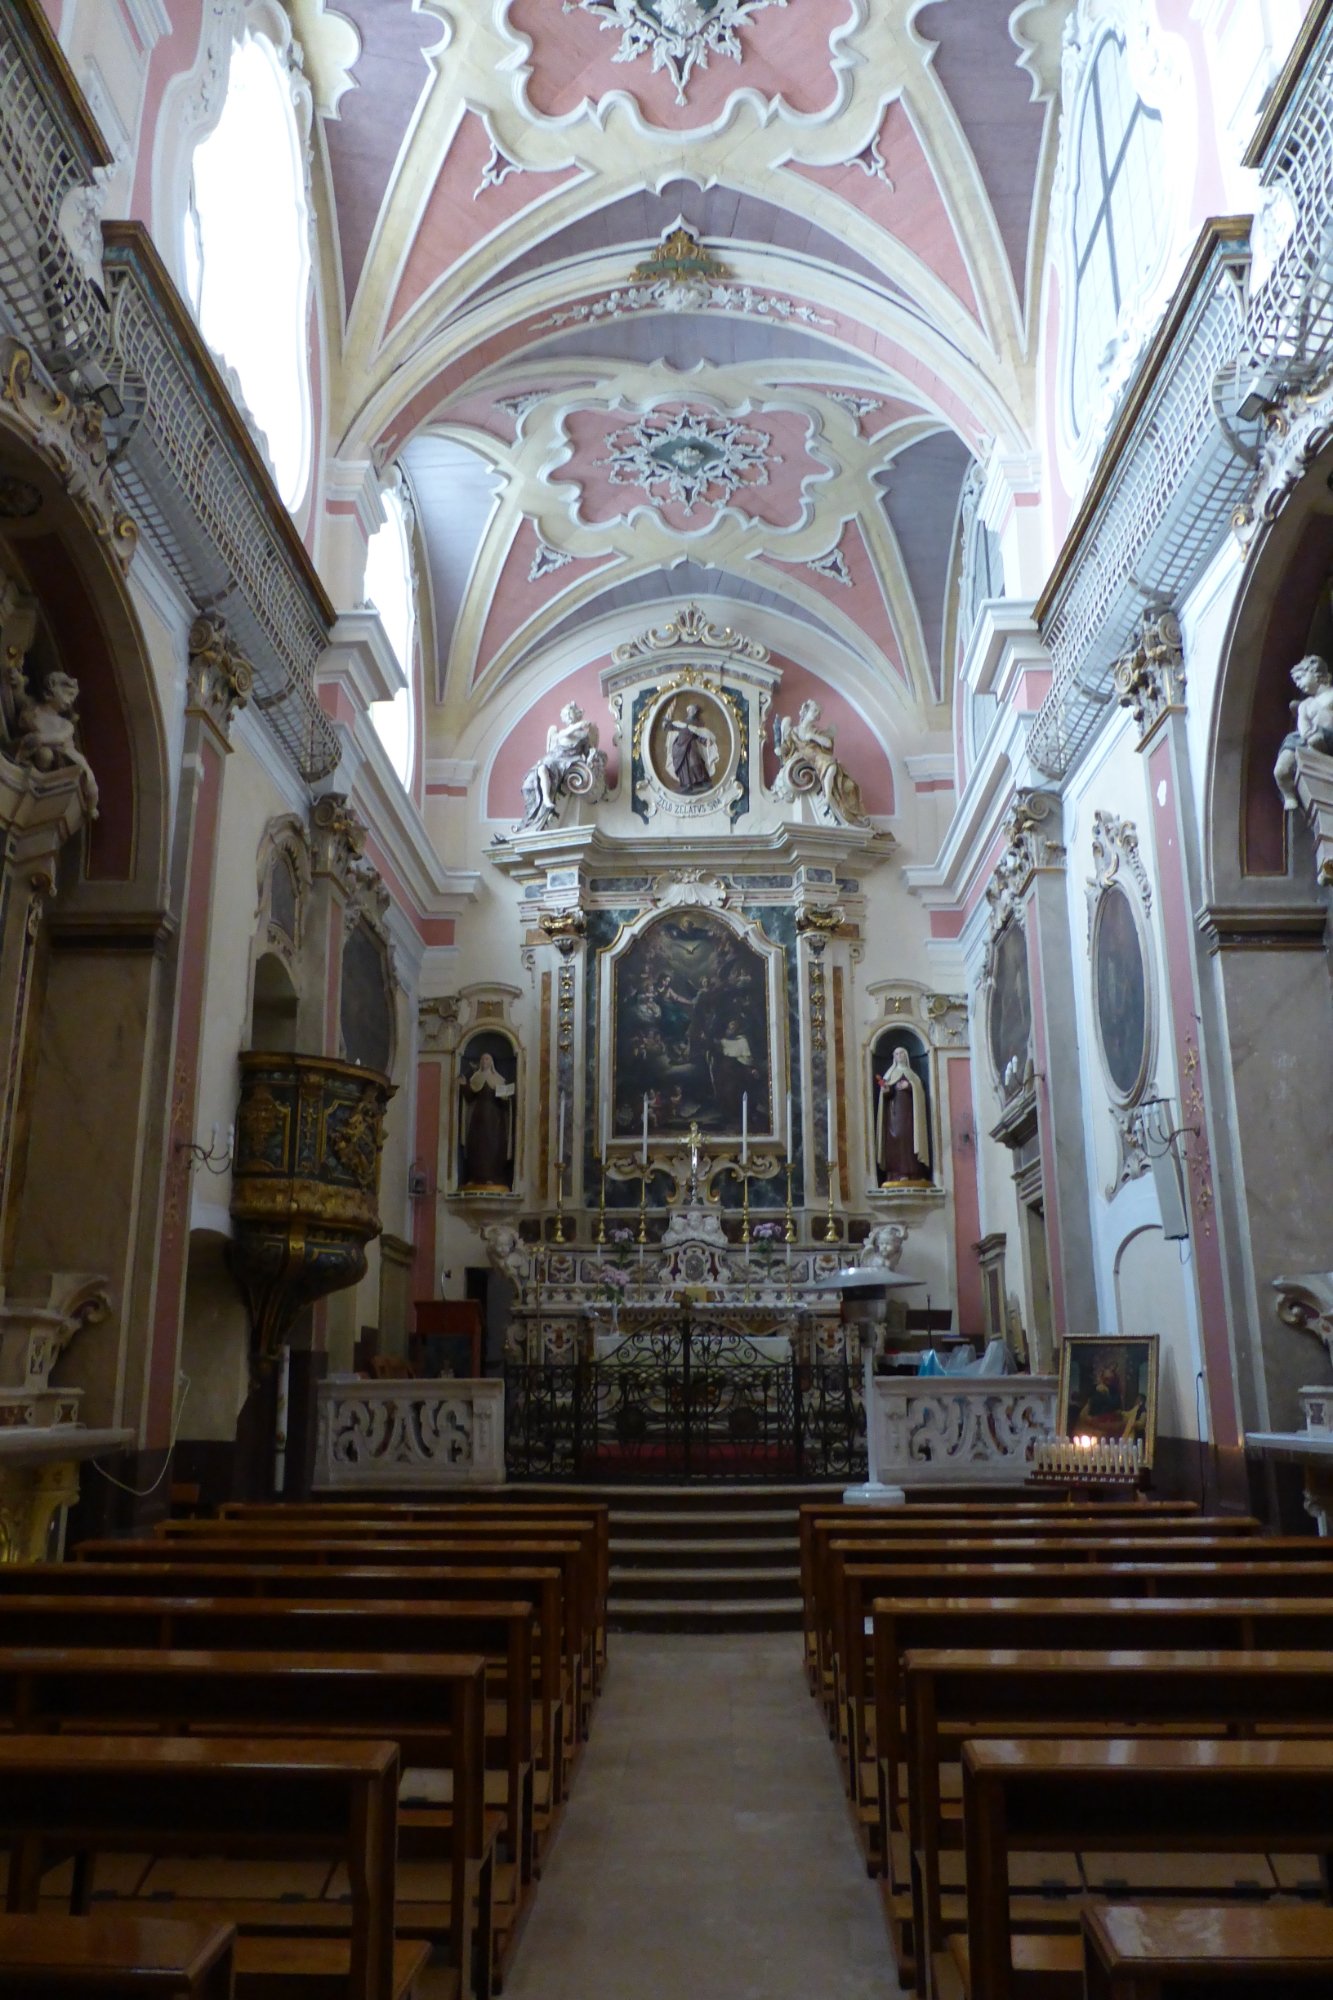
<point x="1118" y="214"/>
<point x="247" y="254"/>
<point x="389" y="586"/>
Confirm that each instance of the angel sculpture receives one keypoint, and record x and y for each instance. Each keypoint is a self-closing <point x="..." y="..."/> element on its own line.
<point x="808" y="762"/>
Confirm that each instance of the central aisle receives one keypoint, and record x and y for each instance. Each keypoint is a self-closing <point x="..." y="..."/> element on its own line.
<point x="706" y="1853"/>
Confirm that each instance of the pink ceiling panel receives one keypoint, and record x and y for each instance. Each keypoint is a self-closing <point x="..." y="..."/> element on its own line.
<point x="519" y="596"/>
<point x="862" y="600"/>
<point x="786" y="54"/>
<point x="912" y="208"/>
<point x="460" y="212"/>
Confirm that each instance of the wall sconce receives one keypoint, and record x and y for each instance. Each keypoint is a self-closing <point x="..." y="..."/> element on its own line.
<point x="418" y="1182"/>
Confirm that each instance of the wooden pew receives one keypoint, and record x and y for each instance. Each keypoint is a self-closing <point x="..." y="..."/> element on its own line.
<point x="537" y="1585"/>
<point x="953" y="1696"/>
<point x="1158" y="1796"/>
<point x="431" y="1706"/>
<point x="347" y="1553"/>
<point x="362" y="1523"/>
<point x="515" y="1508"/>
<point x="858" y="1580"/>
<point x="502" y="1633"/>
<point x="1039" y="1509"/>
<point x="116" y="1958"/>
<point x="1047" y="1620"/>
<point x="1081" y="1540"/>
<point x="1132" y="1951"/>
<point x="334" y="1801"/>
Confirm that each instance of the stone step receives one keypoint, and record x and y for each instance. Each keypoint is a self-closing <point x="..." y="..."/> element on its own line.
<point x="717" y="1584"/>
<point x="639" y="1496"/>
<point x="694" y="1521"/>
<point x="756" y="1614"/>
<point x="766" y="1550"/>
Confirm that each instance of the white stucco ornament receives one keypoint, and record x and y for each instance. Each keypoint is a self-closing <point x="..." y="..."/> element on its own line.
<point x="689" y="457"/>
<point x="679" y="35"/>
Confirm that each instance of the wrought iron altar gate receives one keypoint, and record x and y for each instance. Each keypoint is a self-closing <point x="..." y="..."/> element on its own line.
<point x="693" y="1405"/>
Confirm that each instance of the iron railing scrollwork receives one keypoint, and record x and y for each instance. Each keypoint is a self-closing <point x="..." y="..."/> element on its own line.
<point x="696" y="1407"/>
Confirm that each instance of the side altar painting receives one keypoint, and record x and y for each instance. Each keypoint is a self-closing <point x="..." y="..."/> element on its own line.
<point x="692" y="1030"/>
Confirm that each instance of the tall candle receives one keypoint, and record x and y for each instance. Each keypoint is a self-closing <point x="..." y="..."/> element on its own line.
<point x="560" y="1142"/>
<point x="828" y="1124"/>
<point x="643" y="1150"/>
<point x="745" y="1128"/>
<point x="788" y="1124"/>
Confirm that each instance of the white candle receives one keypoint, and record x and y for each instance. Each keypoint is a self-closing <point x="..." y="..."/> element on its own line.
<point x="788" y="1124"/>
<point x="643" y="1150"/>
<point x="745" y="1128"/>
<point x="560" y="1142"/>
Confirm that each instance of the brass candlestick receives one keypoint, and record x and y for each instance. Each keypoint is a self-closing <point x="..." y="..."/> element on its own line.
<point x="831" y="1234"/>
<point x="643" y="1205"/>
<point x="789" y="1235"/>
<point x="745" y="1229"/>
<point x="601" y="1203"/>
<point x="559" y="1235"/>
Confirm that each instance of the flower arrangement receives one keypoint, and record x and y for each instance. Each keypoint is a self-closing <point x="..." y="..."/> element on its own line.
<point x="612" y="1273"/>
<point x="764" y="1239"/>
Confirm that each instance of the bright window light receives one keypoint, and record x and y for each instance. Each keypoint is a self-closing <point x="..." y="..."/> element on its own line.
<point x="1119" y="214"/>
<point x="248" y="256"/>
<point x="389" y="588"/>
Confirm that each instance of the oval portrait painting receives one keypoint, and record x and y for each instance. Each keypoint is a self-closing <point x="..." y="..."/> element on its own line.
<point x="691" y="743"/>
<point x="1120" y="991"/>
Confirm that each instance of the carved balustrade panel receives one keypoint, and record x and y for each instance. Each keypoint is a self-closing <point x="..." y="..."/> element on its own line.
<point x="408" y="1435"/>
<point x="933" y="1429"/>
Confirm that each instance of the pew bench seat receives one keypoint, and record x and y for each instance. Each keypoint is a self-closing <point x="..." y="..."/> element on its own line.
<point x="1136" y="1952"/>
<point x="317" y="1969"/>
<point x="115" y="1958"/>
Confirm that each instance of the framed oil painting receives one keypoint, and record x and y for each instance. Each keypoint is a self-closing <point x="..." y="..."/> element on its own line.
<point x="1009" y="1014"/>
<point x="1108" y="1388"/>
<point x="690" y="1003"/>
<point x="1120" y="993"/>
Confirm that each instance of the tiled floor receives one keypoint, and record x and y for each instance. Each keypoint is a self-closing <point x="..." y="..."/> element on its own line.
<point x="706" y="1853"/>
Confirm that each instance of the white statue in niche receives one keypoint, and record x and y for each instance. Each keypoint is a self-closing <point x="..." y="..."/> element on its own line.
<point x="1313" y="716"/>
<point x="573" y="767"/>
<point x="808" y="763"/>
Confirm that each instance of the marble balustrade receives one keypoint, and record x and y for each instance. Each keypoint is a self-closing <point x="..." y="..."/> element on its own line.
<point x="385" y="1435"/>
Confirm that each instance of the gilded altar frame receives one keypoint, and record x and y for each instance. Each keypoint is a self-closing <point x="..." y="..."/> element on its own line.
<point x="770" y="1134"/>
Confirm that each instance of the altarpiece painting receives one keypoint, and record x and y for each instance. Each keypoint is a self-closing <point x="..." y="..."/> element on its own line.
<point x="690" y="1007"/>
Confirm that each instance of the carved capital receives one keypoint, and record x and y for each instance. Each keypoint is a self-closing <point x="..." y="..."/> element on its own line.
<point x="1150" y="678"/>
<point x="221" y="678"/>
<point x="69" y="437"/>
<point x="564" y="929"/>
<point x="338" y="835"/>
<point x="1032" y="844"/>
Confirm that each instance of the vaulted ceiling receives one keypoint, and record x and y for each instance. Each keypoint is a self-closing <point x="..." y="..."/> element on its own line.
<point x="667" y="298"/>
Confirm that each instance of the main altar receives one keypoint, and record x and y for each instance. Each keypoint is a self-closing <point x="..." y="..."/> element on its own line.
<point x="708" y="1070"/>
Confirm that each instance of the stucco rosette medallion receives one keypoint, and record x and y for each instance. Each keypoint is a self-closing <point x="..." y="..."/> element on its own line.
<point x="677" y="35"/>
<point x="692" y="468"/>
<point x="684" y="65"/>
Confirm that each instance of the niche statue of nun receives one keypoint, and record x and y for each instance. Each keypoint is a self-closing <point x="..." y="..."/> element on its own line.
<point x="902" y="1128"/>
<point x="487" y="1128"/>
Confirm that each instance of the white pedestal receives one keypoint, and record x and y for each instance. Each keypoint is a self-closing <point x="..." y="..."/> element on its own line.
<point x="874" y="1494"/>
